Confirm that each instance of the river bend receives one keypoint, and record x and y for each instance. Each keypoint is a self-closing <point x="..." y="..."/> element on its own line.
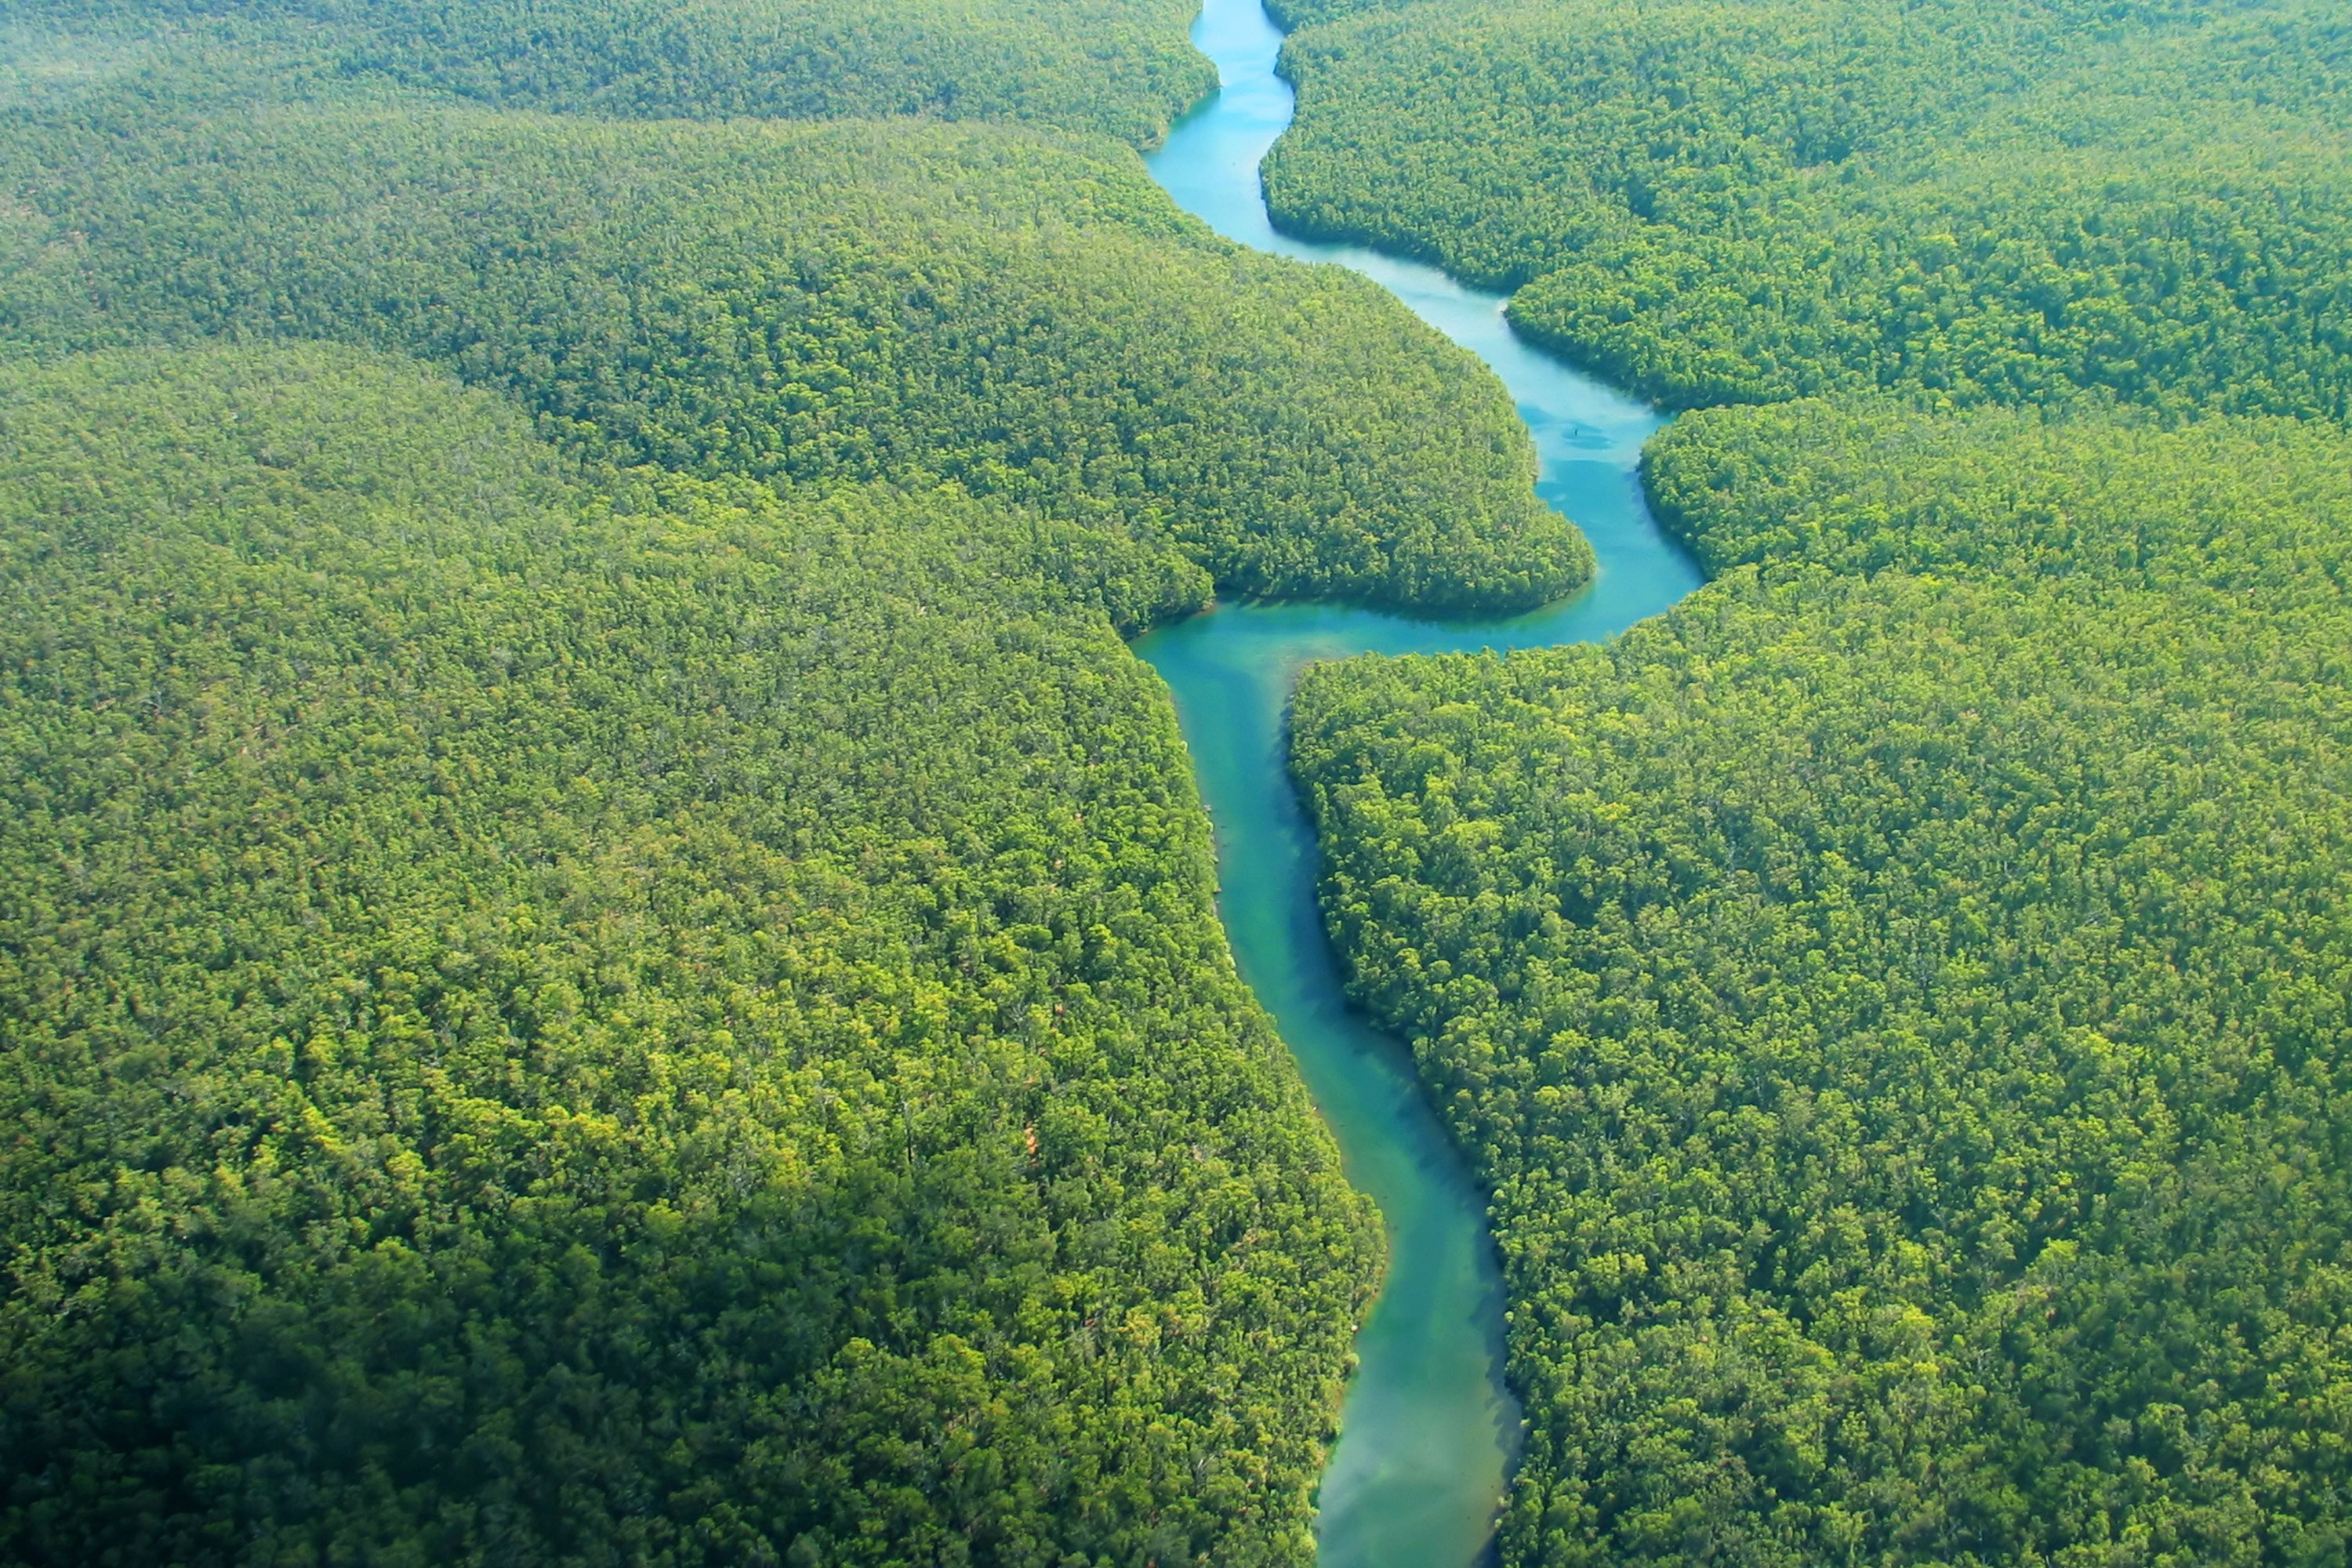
<point x="1429" y="1429"/>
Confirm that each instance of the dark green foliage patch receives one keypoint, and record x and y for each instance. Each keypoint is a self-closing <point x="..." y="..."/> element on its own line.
<point x="1900" y="998"/>
<point x="1120" y="68"/>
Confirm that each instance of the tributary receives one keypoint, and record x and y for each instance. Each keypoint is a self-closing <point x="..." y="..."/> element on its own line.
<point x="1429" y="1429"/>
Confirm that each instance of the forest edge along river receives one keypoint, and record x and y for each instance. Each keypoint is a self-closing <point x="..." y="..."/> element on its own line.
<point x="1429" y="1429"/>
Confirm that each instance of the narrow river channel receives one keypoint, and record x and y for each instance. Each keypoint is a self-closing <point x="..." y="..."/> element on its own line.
<point x="1429" y="1429"/>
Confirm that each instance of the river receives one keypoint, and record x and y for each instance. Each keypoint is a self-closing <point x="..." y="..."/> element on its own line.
<point x="1429" y="1428"/>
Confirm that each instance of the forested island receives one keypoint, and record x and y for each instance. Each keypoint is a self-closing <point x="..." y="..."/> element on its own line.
<point x="606" y="957"/>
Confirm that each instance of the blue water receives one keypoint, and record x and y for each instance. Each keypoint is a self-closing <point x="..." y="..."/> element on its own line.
<point x="1429" y="1428"/>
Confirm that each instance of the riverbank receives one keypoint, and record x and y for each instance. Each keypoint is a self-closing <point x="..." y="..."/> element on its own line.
<point x="1430" y="1428"/>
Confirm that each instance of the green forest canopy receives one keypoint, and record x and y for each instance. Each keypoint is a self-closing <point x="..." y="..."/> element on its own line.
<point x="556" y="1020"/>
<point x="1120" y="68"/>
<point x="606" y="958"/>
<point x="1024" y="314"/>
<point x="1899" y="998"/>
<point x="1994" y="202"/>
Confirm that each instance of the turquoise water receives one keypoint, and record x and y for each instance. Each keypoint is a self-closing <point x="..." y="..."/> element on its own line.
<point x="1429" y="1429"/>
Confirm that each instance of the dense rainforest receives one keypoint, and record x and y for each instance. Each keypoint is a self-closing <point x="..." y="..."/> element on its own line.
<point x="1021" y="313"/>
<point x="531" y="1040"/>
<point x="1902" y="1012"/>
<point x="605" y="958"/>
<point x="1899" y="1000"/>
<point x="1994" y="202"/>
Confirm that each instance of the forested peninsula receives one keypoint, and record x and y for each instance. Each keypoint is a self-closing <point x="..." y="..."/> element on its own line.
<point x="605" y="956"/>
<point x="1899" y="999"/>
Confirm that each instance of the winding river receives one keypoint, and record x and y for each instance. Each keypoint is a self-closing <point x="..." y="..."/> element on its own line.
<point x="1429" y="1428"/>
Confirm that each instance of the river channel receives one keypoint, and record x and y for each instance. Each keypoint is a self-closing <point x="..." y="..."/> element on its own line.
<point x="1429" y="1429"/>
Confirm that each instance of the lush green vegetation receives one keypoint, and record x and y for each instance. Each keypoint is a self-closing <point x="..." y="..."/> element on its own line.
<point x="1899" y="999"/>
<point x="1901" y="1010"/>
<point x="1120" y="67"/>
<point x="2234" y="515"/>
<point x="1981" y="203"/>
<point x="1026" y="316"/>
<point x="561" y="1019"/>
<point x="604" y="957"/>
